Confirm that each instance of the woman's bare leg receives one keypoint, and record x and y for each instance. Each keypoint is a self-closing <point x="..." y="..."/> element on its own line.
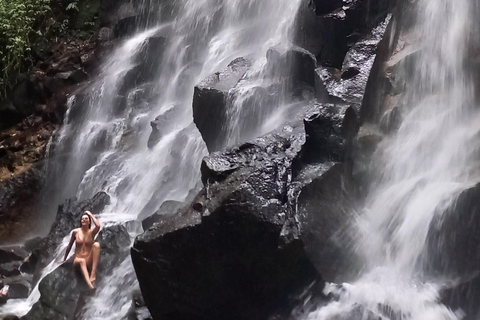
<point x="83" y="266"/>
<point x="94" y="257"/>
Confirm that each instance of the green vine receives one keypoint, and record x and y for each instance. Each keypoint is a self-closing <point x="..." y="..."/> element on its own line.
<point x="18" y="19"/>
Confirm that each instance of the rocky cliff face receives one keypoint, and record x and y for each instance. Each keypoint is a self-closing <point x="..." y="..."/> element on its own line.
<point x="264" y="230"/>
<point x="269" y="218"/>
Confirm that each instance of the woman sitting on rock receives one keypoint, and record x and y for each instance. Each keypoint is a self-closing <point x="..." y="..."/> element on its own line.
<point x="86" y="250"/>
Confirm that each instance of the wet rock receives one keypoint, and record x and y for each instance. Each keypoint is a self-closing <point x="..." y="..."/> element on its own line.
<point x="325" y="205"/>
<point x="17" y="202"/>
<point x="322" y="7"/>
<point x="299" y="64"/>
<point x="19" y="290"/>
<point x="148" y="61"/>
<point x="7" y="256"/>
<point x="327" y="132"/>
<point x="114" y="243"/>
<point x="138" y="310"/>
<point x="19" y="251"/>
<point x="391" y="120"/>
<point x="111" y="11"/>
<point x="329" y="28"/>
<point x="32" y="244"/>
<point x="463" y="295"/>
<point x="167" y="208"/>
<point x="10" y="269"/>
<point x="60" y="293"/>
<point x="63" y="292"/>
<point x="362" y="151"/>
<point x="391" y="73"/>
<point x="236" y="255"/>
<point x="452" y="241"/>
<point x="349" y="83"/>
<point x="30" y="265"/>
<point x="209" y="101"/>
<point x="163" y="124"/>
<point x="67" y="219"/>
<point x="127" y="26"/>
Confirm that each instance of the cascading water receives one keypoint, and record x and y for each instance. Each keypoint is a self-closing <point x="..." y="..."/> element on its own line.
<point x="419" y="172"/>
<point x="103" y="143"/>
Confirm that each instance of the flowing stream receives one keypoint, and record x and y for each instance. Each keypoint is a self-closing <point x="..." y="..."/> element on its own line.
<point x="102" y="145"/>
<point x="419" y="172"/>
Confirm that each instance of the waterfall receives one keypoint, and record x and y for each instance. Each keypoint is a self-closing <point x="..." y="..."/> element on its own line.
<point x="103" y="144"/>
<point x="419" y="172"/>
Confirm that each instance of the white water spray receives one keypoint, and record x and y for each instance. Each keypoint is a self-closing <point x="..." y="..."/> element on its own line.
<point x="420" y="171"/>
<point x="104" y="148"/>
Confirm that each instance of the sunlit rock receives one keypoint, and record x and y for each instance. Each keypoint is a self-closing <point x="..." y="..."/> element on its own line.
<point x="329" y="28"/>
<point x="209" y="101"/>
<point x="327" y="132"/>
<point x="234" y="253"/>
<point x="349" y="83"/>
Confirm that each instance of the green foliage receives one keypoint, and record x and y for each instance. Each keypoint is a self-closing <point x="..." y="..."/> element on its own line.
<point x="18" y="19"/>
<point x="72" y="6"/>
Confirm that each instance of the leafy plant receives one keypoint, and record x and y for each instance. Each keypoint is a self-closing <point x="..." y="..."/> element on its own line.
<point x="72" y="6"/>
<point x="17" y="26"/>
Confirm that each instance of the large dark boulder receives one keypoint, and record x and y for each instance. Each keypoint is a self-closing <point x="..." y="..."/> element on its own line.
<point x="163" y="124"/>
<point x="454" y="241"/>
<point x="234" y="253"/>
<point x="10" y="269"/>
<point x="294" y="63"/>
<point x="167" y="208"/>
<point x="210" y="101"/>
<point x="147" y="62"/>
<point x="329" y="28"/>
<point x="329" y="132"/>
<point x="349" y="83"/>
<point x="325" y="205"/>
<point x="60" y="293"/>
<point x="7" y="256"/>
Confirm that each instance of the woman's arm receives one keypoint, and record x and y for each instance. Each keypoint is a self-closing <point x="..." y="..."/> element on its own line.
<point x="95" y="222"/>
<point x="70" y="244"/>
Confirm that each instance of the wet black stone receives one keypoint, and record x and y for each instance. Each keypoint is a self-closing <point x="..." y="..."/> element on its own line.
<point x="163" y="124"/>
<point x="349" y="83"/>
<point x="325" y="205"/>
<point x="7" y="256"/>
<point x="297" y="63"/>
<point x="167" y="208"/>
<point x="209" y="102"/>
<point x="19" y="290"/>
<point x="328" y="29"/>
<point x="10" y="269"/>
<point x="240" y="257"/>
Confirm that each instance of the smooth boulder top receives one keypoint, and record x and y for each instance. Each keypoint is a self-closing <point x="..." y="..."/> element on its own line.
<point x="228" y="77"/>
